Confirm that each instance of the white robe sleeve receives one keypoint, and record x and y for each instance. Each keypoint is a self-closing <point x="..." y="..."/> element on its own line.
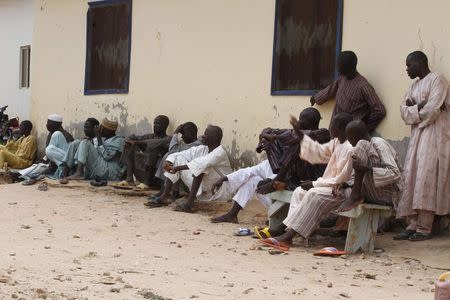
<point x="314" y="152"/>
<point x="344" y="176"/>
<point x="438" y="94"/>
<point x="199" y="165"/>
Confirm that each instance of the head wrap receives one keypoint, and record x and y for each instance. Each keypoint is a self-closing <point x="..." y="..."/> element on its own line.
<point x="55" y="118"/>
<point x="108" y="124"/>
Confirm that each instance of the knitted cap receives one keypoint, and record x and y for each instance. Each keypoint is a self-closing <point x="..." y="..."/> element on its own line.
<point x="108" y="124"/>
<point x="55" y="118"/>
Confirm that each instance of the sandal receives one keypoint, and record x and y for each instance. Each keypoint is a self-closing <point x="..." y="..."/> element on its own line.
<point x="262" y="233"/>
<point x="183" y="207"/>
<point x="142" y="187"/>
<point x="153" y="203"/>
<point x="275" y="244"/>
<point x="419" y="236"/>
<point x="404" y="235"/>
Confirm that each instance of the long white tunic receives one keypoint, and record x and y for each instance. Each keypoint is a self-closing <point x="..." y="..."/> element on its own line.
<point x="427" y="163"/>
<point x="213" y="165"/>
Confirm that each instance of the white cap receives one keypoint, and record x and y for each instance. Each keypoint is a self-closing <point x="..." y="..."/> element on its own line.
<point x="55" y="118"/>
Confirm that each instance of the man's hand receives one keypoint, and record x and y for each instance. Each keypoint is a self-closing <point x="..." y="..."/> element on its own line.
<point x="409" y="102"/>
<point x="306" y="185"/>
<point x="358" y="166"/>
<point x="421" y="105"/>
<point x="312" y="100"/>
<point x="178" y="129"/>
<point x="218" y="184"/>
<point x="265" y="187"/>
<point x="168" y="166"/>
<point x="294" y="122"/>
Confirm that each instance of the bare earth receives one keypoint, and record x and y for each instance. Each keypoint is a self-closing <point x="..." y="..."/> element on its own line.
<point x="80" y="243"/>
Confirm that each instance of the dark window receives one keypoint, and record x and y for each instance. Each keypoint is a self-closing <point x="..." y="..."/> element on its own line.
<point x="24" y="81"/>
<point x="108" y="47"/>
<point x="306" y="44"/>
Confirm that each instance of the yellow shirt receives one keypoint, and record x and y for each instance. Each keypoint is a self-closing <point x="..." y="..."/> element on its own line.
<point x="25" y="148"/>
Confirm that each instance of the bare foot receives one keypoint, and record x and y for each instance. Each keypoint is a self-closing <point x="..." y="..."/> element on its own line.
<point x="226" y="218"/>
<point x="76" y="176"/>
<point x="349" y="204"/>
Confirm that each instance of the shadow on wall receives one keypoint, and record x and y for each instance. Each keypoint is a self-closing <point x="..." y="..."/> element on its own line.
<point x="401" y="147"/>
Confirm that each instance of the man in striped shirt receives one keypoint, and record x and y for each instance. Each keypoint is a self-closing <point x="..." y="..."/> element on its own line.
<point x="353" y="93"/>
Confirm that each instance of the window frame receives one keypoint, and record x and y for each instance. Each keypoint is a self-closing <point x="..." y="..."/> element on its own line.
<point x="87" y="72"/>
<point x="24" y="84"/>
<point x="273" y="91"/>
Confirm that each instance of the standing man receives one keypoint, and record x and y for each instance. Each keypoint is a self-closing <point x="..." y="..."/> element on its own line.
<point x="427" y="164"/>
<point x="353" y="93"/>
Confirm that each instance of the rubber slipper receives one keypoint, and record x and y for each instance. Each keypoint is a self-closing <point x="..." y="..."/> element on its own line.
<point x="272" y="242"/>
<point x="262" y="233"/>
<point x="243" y="232"/>
<point x="329" y="251"/>
<point x="183" y="207"/>
<point x="99" y="183"/>
<point x="404" y="235"/>
<point x="419" y="236"/>
<point x="142" y="187"/>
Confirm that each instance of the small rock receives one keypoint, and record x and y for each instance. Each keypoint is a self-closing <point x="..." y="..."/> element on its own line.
<point x="243" y="253"/>
<point x="106" y="274"/>
<point x="410" y="284"/>
<point x="127" y="286"/>
<point x="12" y="254"/>
<point x="179" y="246"/>
<point x="345" y="295"/>
<point x="84" y="288"/>
<point x="114" y="225"/>
<point x="358" y="270"/>
<point x="193" y="297"/>
<point x="314" y="267"/>
<point x="274" y="251"/>
<point x="196" y="233"/>
<point x="247" y="291"/>
<point x="24" y="226"/>
<point x="229" y="285"/>
<point x="12" y="203"/>
<point x="344" y="256"/>
<point x="15" y="296"/>
<point x="330" y="285"/>
<point x="408" y="277"/>
<point x="76" y="236"/>
<point x="114" y="290"/>
<point x="370" y="276"/>
<point x="347" y="264"/>
<point x="47" y="247"/>
<point x="379" y="250"/>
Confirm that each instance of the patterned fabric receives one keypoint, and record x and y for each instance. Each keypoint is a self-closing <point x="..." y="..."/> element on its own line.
<point x="356" y="97"/>
<point x="427" y="163"/>
<point x="284" y="152"/>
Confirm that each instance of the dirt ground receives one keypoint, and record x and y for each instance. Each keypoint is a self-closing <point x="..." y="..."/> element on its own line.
<point x="80" y="243"/>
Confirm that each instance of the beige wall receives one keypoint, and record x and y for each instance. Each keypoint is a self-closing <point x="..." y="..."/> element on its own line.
<point x="210" y="61"/>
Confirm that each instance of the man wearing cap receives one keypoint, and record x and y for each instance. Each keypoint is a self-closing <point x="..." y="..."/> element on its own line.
<point x="101" y="161"/>
<point x="20" y="153"/>
<point x="58" y="141"/>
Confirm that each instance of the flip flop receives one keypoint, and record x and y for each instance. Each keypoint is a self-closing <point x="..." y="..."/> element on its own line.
<point x="243" y="232"/>
<point x="404" y="235"/>
<point x="419" y="236"/>
<point x="329" y="251"/>
<point x="123" y="185"/>
<point x="262" y="233"/>
<point x="142" y="187"/>
<point x="275" y="244"/>
<point x="153" y="203"/>
<point x="183" y="207"/>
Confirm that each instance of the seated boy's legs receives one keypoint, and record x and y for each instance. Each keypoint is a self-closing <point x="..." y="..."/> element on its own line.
<point x="12" y="160"/>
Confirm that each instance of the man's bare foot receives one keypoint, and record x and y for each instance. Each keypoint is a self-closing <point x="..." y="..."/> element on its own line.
<point x="226" y="218"/>
<point x="349" y="204"/>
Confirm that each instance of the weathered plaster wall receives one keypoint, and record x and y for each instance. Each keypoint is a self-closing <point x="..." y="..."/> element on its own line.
<point x="209" y="61"/>
<point x="16" y="29"/>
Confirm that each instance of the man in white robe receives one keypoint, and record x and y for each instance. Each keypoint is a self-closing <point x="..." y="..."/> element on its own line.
<point x="199" y="168"/>
<point x="313" y="201"/>
<point x="427" y="165"/>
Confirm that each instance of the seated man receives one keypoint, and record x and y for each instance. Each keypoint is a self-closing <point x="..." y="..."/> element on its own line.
<point x="89" y="127"/>
<point x="189" y="139"/>
<point x="101" y="161"/>
<point x="375" y="163"/>
<point x="19" y="154"/>
<point x="244" y="182"/>
<point x="58" y="141"/>
<point x="142" y="154"/>
<point x="314" y="200"/>
<point x="199" y="168"/>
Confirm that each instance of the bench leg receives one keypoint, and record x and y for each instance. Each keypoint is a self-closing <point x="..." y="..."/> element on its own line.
<point x="362" y="231"/>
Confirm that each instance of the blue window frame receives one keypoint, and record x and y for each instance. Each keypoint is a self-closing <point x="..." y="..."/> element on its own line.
<point x="108" y="47"/>
<point x="307" y="42"/>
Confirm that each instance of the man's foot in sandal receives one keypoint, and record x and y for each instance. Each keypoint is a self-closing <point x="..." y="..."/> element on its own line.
<point x="157" y="202"/>
<point x="420" y="236"/>
<point x="226" y="218"/>
<point x="404" y="235"/>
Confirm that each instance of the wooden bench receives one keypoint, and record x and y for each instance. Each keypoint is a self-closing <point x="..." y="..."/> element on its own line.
<point x="362" y="228"/>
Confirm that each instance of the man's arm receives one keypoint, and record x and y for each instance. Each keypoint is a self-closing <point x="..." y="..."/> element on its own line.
<point x="325" y="94"/>
<point x="377" y="110"/>
<point x="431" y="107"/>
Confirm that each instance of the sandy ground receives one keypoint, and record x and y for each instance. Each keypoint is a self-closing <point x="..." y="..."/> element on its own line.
<point x="76" y="243"/>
